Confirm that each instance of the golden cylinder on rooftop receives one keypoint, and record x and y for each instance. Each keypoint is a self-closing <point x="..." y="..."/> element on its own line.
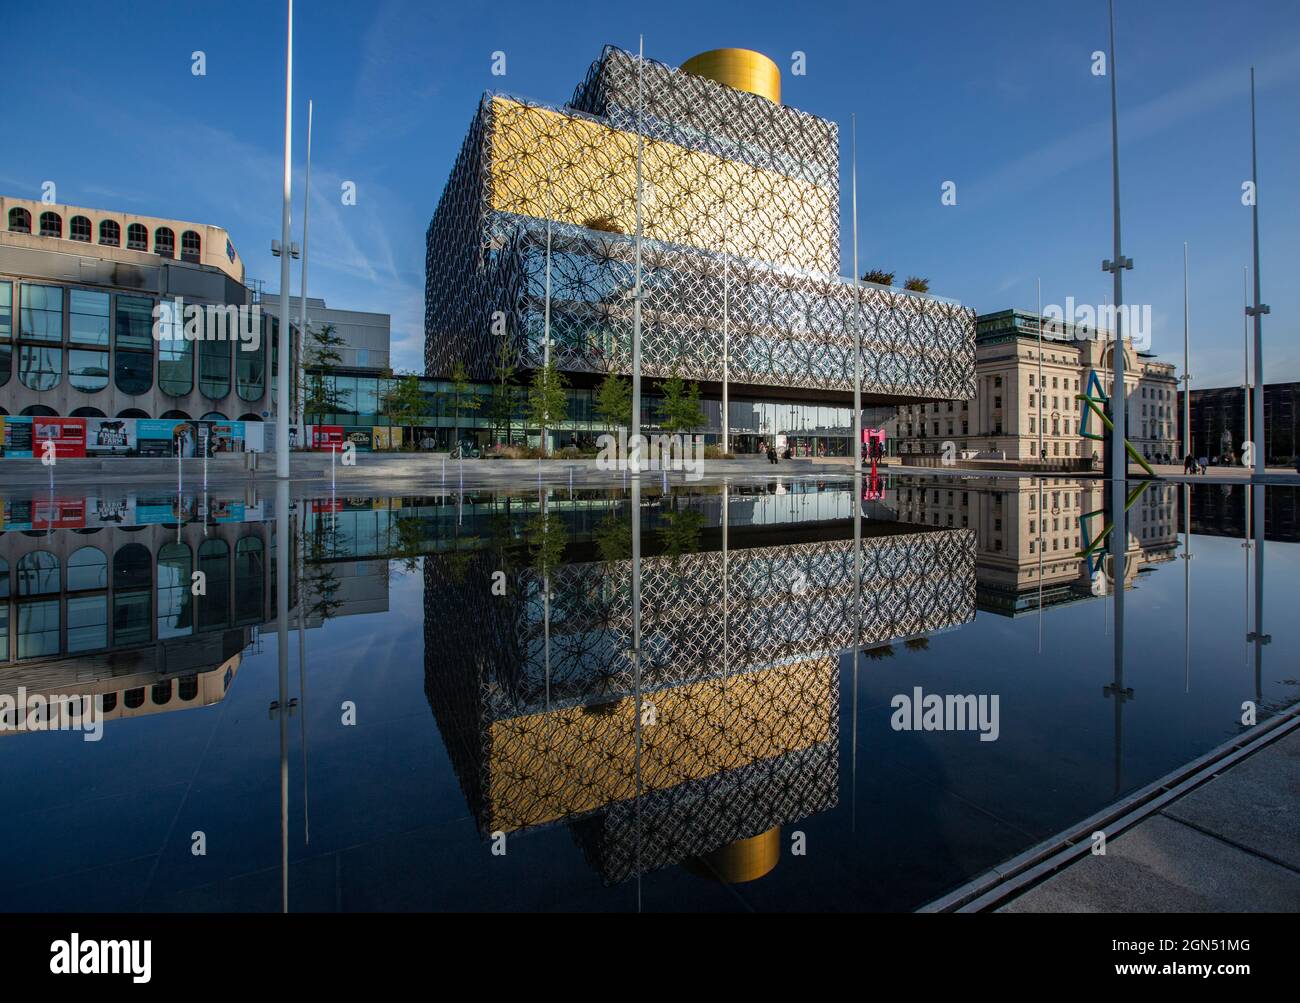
<point x="743" y="69"/>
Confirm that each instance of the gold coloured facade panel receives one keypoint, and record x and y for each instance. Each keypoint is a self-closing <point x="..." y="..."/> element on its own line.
<point x="547" y="766"/>
<point x="550" y="165"/>
<point x="743" y="69"/>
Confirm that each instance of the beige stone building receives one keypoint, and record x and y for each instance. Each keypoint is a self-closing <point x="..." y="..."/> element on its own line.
<point x="1014" y="404"/>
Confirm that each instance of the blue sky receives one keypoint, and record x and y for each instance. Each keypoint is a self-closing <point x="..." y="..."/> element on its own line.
<point x="997" y="97"/>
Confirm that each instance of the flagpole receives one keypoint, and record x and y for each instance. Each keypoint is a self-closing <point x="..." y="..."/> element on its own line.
<point x="857" y="304"/>
<point x="1187" y="366"/>
<point x="1259" y="309"/>
<point x="302" y="320"/>
<point x="282" y="391"/>
<point x="634" y="440"/>
<point x="1118" y="399"/>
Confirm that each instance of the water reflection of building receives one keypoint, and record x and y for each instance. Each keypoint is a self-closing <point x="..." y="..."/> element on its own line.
<point x="731" y="729"/>
<point x="109" y="611"/>
<point x="1220" y="510"/>
<point x="1031" y="532"/>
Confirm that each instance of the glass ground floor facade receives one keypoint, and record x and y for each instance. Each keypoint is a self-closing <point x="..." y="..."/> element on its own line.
<point x="807" y="429"/>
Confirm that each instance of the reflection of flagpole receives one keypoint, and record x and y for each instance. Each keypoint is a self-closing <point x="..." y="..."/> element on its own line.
<point x="726" y="349"/>
<point x="1041" y="451"/>
<point x="1187" y="586"/>
<point x="302" y="670"/>
<point x="282" y="652"/>
<point x="636" y="666"/>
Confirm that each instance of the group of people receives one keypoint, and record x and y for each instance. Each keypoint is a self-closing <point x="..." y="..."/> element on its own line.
<point x="772" y="452"/>
<point x="1191" y="465"/>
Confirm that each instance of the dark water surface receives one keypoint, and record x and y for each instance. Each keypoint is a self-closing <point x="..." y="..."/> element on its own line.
<point x="522" y="701"/>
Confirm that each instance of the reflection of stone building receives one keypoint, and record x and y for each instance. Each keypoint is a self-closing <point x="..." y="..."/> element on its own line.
<point x="1010" y="408"/>
<point x="737" y="697"/>
<point x="109" y="612"/>
<point x="1021" y="521"/>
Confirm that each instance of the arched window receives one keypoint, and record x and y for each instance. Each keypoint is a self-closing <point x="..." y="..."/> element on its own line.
<point x="38" y="411"/>
<point x="134" y="698"/>
<point x="249" y="579"/>
<point x="214" y="606"/>
<point x="189" y="687"/>
<point x="107" y="702"/>
<point x="132" y="586"/>
<point x="87" y="412"/>
<point x="191" y="246"/>
<point x="164" y="242"/>
<point x="40" y="368"/>
<point x="110" y="233"/>
<point x="6" y="331"/>
<point x="162" y="692"/>
<point x="51" y="224"/>
<point x="214" y="369"/>
<point x="133" y="412"/>
<point x="87" y="569"/>
<point x="175" y="352"/>
<point x="137" y="237"/>
<point x="38" y="574"/>
<point x="132" y="567"/>
<point x="175" y="415"/>
<point x="79" y="229"/>
<point x="87" y="371"/>
<point x="250" y="367"/>
<point x="20" y="221"/>
<point x="214" y="416"/>
<point x="133" y="327"/>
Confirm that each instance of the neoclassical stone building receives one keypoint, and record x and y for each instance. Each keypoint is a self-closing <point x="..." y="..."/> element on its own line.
<point x="1011" y="405"/>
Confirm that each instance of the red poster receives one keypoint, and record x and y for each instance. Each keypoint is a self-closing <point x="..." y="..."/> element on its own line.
<point x="327" y="505"/>
<point x="68" y="435"/>
<point x="327" y="437"/>
<point x="59" y="513"/>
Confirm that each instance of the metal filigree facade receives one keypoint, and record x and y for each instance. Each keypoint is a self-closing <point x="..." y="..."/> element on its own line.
<point x="741" y="222"/>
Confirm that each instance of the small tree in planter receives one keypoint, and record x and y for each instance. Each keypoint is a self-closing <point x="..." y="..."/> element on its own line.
<point x="614" y="402"/>
<point x="463" y="397"/>
<point x="404" y="401"/>
<point x="547" y="401"/>
<point x="917" y="284"/>
<point x="878" y="277"/>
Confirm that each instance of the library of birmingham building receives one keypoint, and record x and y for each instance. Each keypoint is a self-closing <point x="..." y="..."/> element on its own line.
<point x="740" y="255"/>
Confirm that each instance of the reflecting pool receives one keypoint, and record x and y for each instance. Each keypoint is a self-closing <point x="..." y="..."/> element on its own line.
<point x="613" y="699"/>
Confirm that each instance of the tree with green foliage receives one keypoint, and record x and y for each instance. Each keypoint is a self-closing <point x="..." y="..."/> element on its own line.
<point x="917" y="284"/>
<point x="878" y="277"/>
<point x="403" y="401"/>
<point x="548" y="403"/>
<point x="462" y="395"/>
<point x="501" y="405"/>
<point x="613" y="404"/>
<point x="322" y="357"/>
<point x="682" y="411"/>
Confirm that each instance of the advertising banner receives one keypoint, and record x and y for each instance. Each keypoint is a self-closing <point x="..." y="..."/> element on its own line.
<point x="154" y="436"/>
<point x="359" y="437"/>
<point x="110" y="436"/>
<point x="110" y="510"/>
<point x="254" y="436"/>
<point x="326" y="437"/>
<point x="67" y="434"/>
<point x="17" y="436"/>
<point x="385" y="437"/>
